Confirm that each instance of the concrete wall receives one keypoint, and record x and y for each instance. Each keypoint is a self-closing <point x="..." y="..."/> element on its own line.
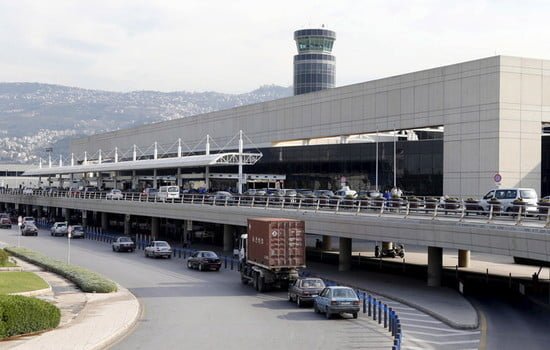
<point x="490" y="108"/>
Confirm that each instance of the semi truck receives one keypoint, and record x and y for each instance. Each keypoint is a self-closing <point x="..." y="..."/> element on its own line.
<point x="271" y="252"/>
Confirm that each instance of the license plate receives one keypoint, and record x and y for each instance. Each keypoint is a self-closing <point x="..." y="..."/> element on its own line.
<point x="346" y="303"/>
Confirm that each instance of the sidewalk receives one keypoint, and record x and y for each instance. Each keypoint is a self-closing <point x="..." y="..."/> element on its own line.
<point x="89" y="321"/>
<point x="443" y="304"/>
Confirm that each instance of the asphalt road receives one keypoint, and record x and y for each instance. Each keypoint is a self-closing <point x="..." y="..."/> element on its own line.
<point x="187" y="308"/>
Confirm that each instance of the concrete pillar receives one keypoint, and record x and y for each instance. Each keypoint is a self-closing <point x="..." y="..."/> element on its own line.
<point x="2" y="207"/>
<point x="39" y="211"/>
<point x="387" y="245"/>
<point x="327" y="243"/>
<point x="435" y="266"/>
<point x="228" y="237"/>
<point x="155" y="228"/>
<point x="28" y="210"/>
<point x="178" y="178"/>
<point x="463" y="258"/>
<point x="85" y="218"/>
<point x="115" y="182"/>
<point x="134" y="180"/>
<point x="104" y="221"/>
<point x="99" y="181"/>
<point x="127" y="219"/>
<point x="344" y="259"/>
<point x="155" y="184"/>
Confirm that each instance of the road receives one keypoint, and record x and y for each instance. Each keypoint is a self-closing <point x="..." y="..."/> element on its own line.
<point x="187" y="308"/>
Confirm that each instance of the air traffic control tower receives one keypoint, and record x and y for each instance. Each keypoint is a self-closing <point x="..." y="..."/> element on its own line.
<point x="314" y="66"/>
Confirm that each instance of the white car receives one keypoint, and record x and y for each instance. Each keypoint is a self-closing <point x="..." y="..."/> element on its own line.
<point x="506" y="196"/>
<point x="28" y="219"/>
<point x="59" y="229"/>
<point x="114" y="194"/>
<point x="28" y="191"/>
<point x="158" y="248"/>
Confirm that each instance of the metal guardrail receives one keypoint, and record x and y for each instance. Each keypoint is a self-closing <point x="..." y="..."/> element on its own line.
<point x="427" y="208"/>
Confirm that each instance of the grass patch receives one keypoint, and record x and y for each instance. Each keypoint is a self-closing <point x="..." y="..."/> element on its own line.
<point x="8" y="264"/>
<point x="22" y="315"/>
<point x="86" y="280"/>
<point x="16" y="282"/>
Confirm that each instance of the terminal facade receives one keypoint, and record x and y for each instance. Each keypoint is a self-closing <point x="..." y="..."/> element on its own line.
<point x="446" y="130"/>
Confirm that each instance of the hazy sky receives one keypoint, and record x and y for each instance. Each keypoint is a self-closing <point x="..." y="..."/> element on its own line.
<point x="237" y="45"/>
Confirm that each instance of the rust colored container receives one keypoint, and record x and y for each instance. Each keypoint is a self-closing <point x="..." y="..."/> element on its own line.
<point x="276" y="243"/>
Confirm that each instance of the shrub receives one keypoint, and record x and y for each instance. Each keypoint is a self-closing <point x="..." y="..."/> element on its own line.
<point x="3" y="257"/>
<point x="21" y="315"/>
<point x="85" y="279"/>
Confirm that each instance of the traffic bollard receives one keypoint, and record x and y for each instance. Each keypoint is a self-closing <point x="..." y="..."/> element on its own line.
<point x="364" y="302"/>
<point x="179" y="253"/>
<point x="232" y="261"/>
<point x="174" y="252"/>
<point x="374" y="309"/>
<point x="390" y="323"/>
<point x="379" y="312"/>
<point x="370" y="309"/>
<point x="225" y="262"/>
<point x="185" y="254"/>
<point x="385" y="316"/>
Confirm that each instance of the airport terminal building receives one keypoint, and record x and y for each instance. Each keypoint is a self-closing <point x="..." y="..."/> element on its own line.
<point x="445" y="130"/>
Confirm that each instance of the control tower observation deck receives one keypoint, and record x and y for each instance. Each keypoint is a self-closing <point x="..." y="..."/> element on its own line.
<point x="314" y="66"/>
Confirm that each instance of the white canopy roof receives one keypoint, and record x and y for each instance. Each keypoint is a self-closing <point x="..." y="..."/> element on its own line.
<point x="219" y="159"/>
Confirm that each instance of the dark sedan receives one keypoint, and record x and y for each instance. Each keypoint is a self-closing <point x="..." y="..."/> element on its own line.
<point x="305" y="290"/>
<point x="204" y="260"/>
<point x="29" y="229"/>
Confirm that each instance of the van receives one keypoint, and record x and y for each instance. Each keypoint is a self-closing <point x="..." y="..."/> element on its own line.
<point x="507" y="196"/>
<point x="168" y="192"/>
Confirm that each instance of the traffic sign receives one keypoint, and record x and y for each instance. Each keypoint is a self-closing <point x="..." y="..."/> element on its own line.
<point x="497" y="177"/>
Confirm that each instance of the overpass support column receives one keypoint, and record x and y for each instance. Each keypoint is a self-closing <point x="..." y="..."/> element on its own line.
<point x="387" y="245"/>
<point x="104" y="221"/>
<point x="66" y="213"/>
<point x="3" y="207"/>
<point x="84" y="218"/>
<point x="134" y="180"/>
<point x="155" y="185"/>
<point x="228" y="237"/>
<point x="327" y="242"/>
<point x="39" y="211"/>
<point x="28" y="210"/>
<point x="178" y="178"/>
<point x="435" y="266"/>
<point x="463" y="258"/>
<point x="344" y="258"/>
<point x="155" y="228"/>
<point x="127" y="221"/>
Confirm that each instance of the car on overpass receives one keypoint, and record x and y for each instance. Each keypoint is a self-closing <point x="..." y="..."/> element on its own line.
<point x="337" y="300"/>
<point x="204" y="260"/>
<point x="157" y="249"/>
<point x="114" y="194"/>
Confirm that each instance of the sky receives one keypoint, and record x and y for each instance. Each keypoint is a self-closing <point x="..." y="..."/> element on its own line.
<point x="236" y="46"/>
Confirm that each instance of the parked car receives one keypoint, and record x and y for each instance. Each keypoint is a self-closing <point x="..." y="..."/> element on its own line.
<point x="168" y="192"/>
<point x="507" y="196"/>
<point x="29" y="229"/>
<point x="204" y="260"/>
<point x="337" y="300"/>
<point x="77" y="231"/>
<point x="5" y="222"/>
<point x="123" y="244"/>
<point x="305" y="290"/>
<point x="114" y="194"/>
<point x="28" y="191"/>
<point x="59" y="228"/>
<point x="158" y="248"/>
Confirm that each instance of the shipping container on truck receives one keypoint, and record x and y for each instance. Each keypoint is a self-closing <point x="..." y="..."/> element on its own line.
<point x="271" y="252"/>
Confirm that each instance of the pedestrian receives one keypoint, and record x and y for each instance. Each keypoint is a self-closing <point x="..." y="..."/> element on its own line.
<point x="399" y="192"/>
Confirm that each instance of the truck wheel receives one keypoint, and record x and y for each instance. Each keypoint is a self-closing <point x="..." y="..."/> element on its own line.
<point x="255" y="282"/>
<point x="189" y="265"/>
<point x="261" y="284"/>
<point x="200" y="267"/>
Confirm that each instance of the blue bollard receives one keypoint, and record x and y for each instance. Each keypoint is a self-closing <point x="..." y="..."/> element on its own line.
<point x="379" y="312"/>
<point x="225" y="262"/>
<point x="179" y="250"/>
<point x="385" y="316"/>
<point x="370" y="311"/>
<point x="374" y="309"/>
<point x="364" y="303"/>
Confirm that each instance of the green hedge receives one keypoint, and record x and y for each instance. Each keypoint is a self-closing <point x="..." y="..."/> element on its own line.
<point x="3" y="257"/>
<point x="85" y="279"/>
<point x="21" y="315"/>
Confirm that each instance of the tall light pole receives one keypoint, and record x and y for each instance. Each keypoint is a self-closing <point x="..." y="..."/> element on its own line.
<point x="394" y="159"/>
<point x="377" y="160"/>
